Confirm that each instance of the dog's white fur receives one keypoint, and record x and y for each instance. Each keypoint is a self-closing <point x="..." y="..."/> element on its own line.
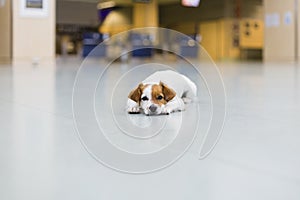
<point x="184" y="88"/>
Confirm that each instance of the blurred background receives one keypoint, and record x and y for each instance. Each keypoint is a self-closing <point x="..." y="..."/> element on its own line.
<point x="227" y="29"/>
<point x="43" y="43"/>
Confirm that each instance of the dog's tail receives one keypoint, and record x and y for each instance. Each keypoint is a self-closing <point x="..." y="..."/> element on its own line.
<point x="191" y="91"/>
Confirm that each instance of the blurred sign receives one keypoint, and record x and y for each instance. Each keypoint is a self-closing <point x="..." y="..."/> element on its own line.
<point x="34" y="3"/>
<point x="272" y="20"/>
<point x="34" y="8"/>
<point x="288" y="18"/>
<point x="2" y="3"/>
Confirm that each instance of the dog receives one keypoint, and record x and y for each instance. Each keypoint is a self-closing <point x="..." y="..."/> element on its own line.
<point x="163" y="92"/>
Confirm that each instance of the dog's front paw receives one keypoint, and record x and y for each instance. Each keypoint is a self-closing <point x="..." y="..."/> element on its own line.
<point x="167" y="110"/>
<point x="133" y="110"/>
<point x="132" y="107"/>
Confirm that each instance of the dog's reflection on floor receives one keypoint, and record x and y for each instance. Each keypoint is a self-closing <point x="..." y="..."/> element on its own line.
<point x="148" y="123"/>
<point x="141" y="121"/>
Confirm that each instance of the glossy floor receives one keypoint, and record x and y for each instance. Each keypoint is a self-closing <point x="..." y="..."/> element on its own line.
<point x="257" y="157"/>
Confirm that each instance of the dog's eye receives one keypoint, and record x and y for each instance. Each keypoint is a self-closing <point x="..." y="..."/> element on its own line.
<point x="145" y="98"/>
<point x="159" y="97"/>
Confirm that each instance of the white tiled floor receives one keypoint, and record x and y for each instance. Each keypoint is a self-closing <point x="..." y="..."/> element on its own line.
<point x="257" y="157"/>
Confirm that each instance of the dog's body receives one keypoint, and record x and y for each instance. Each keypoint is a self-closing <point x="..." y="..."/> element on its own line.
<point x="161" y="93"/>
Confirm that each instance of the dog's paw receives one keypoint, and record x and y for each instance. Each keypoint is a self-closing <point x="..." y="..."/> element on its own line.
<point x="132" y="107"/>
<point x="167" y="110"/>
<point x="133" y="110"/>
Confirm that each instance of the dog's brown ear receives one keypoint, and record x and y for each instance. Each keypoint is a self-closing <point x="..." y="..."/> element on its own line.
<point x="135" y="94"/>
<point x="169" y="94"/>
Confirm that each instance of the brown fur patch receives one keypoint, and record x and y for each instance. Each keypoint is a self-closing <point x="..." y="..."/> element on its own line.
<point x="164" y="91"/>
<point x="168" y="92"/>
<point x="157" y="91"/>
<point x="135" y="94"/>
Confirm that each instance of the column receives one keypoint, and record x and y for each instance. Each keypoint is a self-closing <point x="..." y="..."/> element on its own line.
<point x="5" y="31"/>
<point x="145" y="14"/>
<point x="280" y="28"/>
<point x="33" y="32"/>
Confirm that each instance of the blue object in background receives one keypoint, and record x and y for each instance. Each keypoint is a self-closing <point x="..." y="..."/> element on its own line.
<point x="188" y="47"/>
<point x="144" y="52"/>
<point x="90" y="42"/>
<point x="142" y="45"/>
<point x="103" y="13"/>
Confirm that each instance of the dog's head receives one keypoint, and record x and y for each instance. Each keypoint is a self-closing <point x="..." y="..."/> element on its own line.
<point x="152" y="98"/>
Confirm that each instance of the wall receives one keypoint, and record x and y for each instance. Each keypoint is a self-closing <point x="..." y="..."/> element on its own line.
<point x="217" y="38"/>
<point x="188" y="28"/>
<point x="214" y="20"/>
<point x="209" y="31"/>
<point x="298" y="32"/>
<point x="76" y="13"/>
<point x="86" y="13"/>
<point x="252" y="9"/>
<point x="145" y="14"/>
<point x="170" y="15"/>
<point x="251" y="33"/>
<point x="5" y="33"/>
<point x="33" y="38"/>
<point x="227" y="49"/>
<point x="209" y="10"/>
<point x="279" y="39"/>
<point x="247" y="9"/>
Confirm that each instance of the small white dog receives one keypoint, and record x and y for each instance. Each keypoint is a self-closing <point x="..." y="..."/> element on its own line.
<point x="161" y="93"/>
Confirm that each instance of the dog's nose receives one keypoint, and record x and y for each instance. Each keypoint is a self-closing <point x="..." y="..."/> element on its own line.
<point x="152" y="108"/>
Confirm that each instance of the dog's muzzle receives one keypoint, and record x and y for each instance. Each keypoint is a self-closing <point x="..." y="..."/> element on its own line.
<point x="153" y="108"/>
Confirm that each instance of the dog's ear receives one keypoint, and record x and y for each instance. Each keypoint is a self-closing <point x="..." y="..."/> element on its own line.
<point x="135" y="94"/>
<point x="169" y="94"/>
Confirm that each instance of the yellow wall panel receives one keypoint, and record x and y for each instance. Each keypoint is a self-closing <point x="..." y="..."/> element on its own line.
<point x="186" y="28"/>
<point x="218" y="38"/>
<point x="5" y="32"/>
<point x="208" y="31"/>
<point x="251" y="33"/>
